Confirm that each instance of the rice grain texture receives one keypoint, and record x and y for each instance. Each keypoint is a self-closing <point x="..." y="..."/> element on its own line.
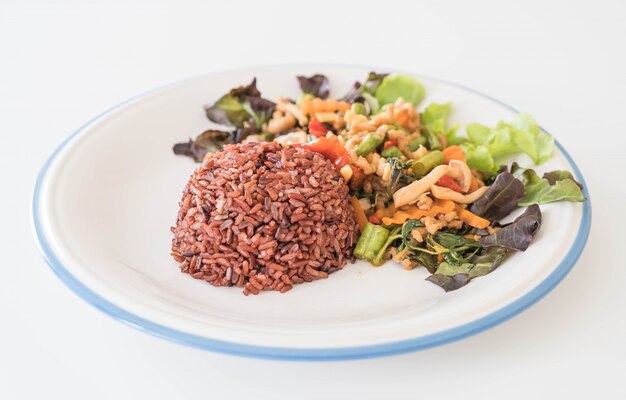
<point x="264" y="217"/>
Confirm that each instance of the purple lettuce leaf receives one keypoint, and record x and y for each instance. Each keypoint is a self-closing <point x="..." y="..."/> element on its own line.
<point x="316" y="85"/>
<point x="517" y="235"/>
<point x="501" y="198"/>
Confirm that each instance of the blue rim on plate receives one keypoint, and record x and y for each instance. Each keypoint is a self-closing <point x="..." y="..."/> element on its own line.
<point x="344" y="353"/>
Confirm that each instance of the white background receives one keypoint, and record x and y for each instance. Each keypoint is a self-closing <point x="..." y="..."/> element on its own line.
<point x="63" y="62"/>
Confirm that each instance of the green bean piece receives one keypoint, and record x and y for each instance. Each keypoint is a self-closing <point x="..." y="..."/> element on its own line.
<point x="391" y="151"/>
<point x="359" y="108"/>
<point x="416" y="143"/>
<point x="371" y="241"/>
<point x="433" y="140"/>
<point x="423" y="166"/>
<point x="369" y="144"/>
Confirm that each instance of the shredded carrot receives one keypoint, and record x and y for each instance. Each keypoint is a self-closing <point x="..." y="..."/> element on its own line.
<point x="474" y="185"/>
<point x="453" y="153"/>
<point x="361" y="219"/>
<point x="385" y="212"/>
<point x="319" y="105"/>
<point x="470" y="218"/>
<point x="438" y="207"/>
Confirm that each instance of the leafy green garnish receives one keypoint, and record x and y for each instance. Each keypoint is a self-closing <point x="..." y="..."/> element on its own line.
<point x="451" y="241"/>
<point x="489" y="147"/>
<point x="531" y="139"/>
<point x="478" y="157"/>
<point x="316" y="85"/>
<point x="208" y="141"/>
<point x="451" y="277"/>
<point x="502" y="197"/>
<point x="398" y="177"/>
<point x="394" y="87"/>
<point x="518" y="234"/>
<point x="434" y="120"/>
<point x="554" y="186"/>
<point x="241" y="105"/>
<point x="407" y="228"/>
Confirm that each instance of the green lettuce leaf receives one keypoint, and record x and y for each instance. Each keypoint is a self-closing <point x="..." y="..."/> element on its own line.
<point x="554" y="186"/>
<point x="491" y="147"/>
<point x="435" y="112"/>
<point x="434" y="120"/>
<point x="529" y="137"/>
<point x="479" y="157"/>
<point x="394" y="87"/>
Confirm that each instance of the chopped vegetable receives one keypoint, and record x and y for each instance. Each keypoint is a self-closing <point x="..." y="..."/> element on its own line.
<point x="453" y="153"/>
<point x="359" y="108"/>
<point x="426" y="163"/>
<point x="330" y="148"/>
<point x="447" y="182"/>
<point x="393" y="236"/>
<point x="391" y="151"/>
<point x="361" y="219"/>
<point x="389" y="144"/>
<point x="312" y="106"/>
<point x="372" y="239"/>
<point x="470" y="218"/>
<point x="374" y="219"/>
<point x="317" y="129"/>
<point x="438" y="207"/>
<point x="416" y="143"/>
<point x="369" y="144"/>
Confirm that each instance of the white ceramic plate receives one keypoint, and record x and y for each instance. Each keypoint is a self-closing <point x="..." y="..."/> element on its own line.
<point x="104" y="202"/>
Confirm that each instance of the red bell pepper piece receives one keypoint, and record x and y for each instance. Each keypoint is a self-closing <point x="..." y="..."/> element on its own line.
<point x="317" y="129"/>
<point x="375" y="220"/>
<point x="447" y="182"/>
<point x="329" y="148"/>
<point x="389" y="143"/>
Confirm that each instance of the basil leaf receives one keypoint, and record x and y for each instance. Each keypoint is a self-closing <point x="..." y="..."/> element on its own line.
<point x="451" y="277"/>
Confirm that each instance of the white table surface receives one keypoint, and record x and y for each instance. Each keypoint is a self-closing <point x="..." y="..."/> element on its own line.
<point x="62" y="62"/>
